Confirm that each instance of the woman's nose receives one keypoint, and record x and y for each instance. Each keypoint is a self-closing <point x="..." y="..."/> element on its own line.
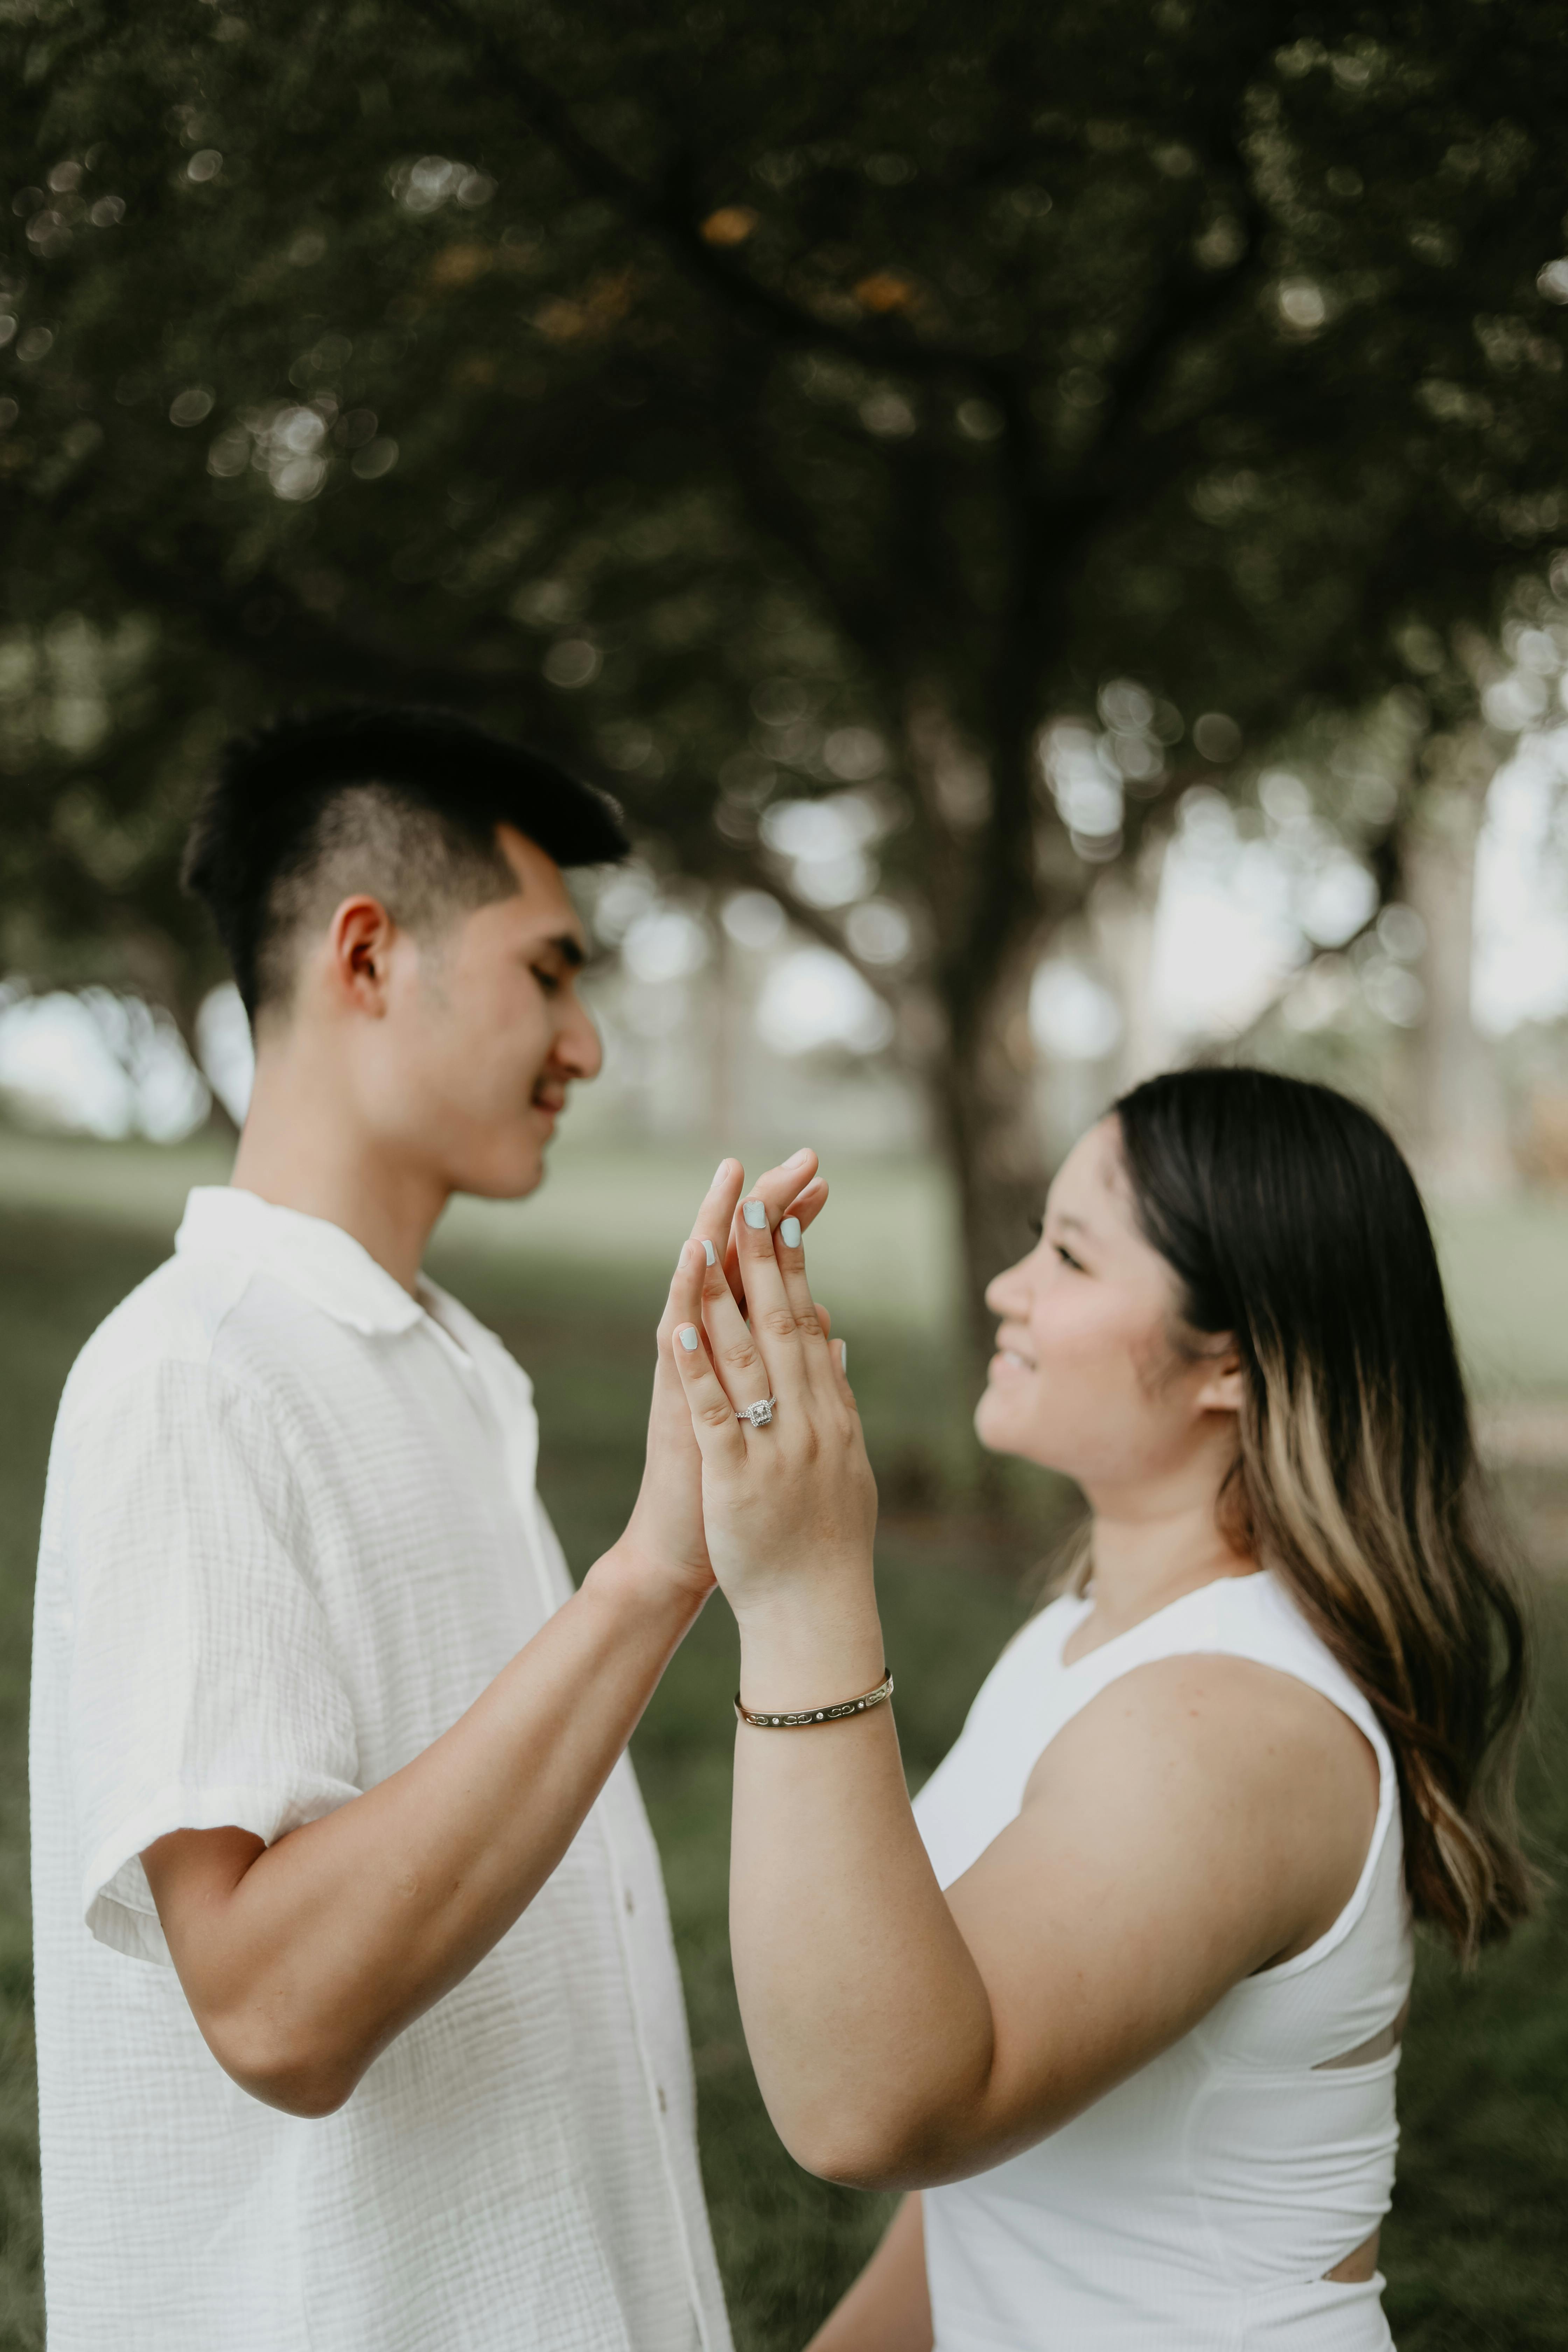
<point x="1008" y="1293"/>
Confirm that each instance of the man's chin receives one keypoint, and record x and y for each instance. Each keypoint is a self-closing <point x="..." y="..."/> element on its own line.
<point x="508" y="1176"/>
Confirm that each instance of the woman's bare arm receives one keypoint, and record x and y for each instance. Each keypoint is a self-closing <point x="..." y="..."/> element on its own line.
<point x="1201" y="1819"/>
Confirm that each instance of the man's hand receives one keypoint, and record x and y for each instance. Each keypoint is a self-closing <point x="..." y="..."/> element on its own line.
<point x="664" y="1534"/>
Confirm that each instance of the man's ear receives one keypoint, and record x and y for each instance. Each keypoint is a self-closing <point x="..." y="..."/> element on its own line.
<point x="1225" y="1389"/>
<point x="359" y="953"/>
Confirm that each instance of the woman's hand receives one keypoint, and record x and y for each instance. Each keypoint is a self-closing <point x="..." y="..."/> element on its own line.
<point x="790" y="1507"/>
<point x="666" y="1532"/>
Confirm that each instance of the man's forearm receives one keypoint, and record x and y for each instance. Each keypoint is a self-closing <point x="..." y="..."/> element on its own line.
<point x="303" y="1959"/>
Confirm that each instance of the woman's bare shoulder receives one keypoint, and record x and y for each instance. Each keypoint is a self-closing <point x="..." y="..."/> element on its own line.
<point x="1228" y="1754"/>
<point x="1212" y="1711"/>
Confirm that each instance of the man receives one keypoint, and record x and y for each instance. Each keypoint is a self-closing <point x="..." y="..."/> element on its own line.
<point x="359" y="2023"/>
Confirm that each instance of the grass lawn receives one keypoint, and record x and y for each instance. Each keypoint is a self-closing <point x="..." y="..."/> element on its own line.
<point x="1476" y="2251"/>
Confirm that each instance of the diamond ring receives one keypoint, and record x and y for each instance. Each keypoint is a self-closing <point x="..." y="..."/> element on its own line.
<point x="760" y="1413"/>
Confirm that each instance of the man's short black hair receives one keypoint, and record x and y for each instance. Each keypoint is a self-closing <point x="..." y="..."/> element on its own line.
<point x="403" y="804"/>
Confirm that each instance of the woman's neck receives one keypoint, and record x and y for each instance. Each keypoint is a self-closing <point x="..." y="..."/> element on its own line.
<point x="1143" y="1563"/>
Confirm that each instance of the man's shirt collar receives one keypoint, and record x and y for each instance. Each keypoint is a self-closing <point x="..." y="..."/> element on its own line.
<point x="317" y="1260"/>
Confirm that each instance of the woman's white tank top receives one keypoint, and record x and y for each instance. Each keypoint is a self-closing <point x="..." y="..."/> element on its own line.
<point x="1196" y="2207"/>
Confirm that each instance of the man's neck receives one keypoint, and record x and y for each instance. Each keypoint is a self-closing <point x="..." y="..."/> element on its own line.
<point x="302" y="1149"/>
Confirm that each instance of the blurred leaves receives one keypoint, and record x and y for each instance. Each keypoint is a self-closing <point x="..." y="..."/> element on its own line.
<point x="608" y="371"/>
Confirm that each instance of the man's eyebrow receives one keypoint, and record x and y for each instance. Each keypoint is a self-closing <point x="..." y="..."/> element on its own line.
<point x="570" y="949"/>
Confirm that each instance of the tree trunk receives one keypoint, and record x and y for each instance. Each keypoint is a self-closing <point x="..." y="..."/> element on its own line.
<point x="1123" y="913"/>
<point x="1461" y="1139"/>
<point x="991" y="908"/>
<point x="729" y="1004"/>
<point x="996" y="1157"/>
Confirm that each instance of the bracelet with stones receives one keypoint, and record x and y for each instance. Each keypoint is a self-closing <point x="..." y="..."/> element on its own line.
<point x="802" y="1717"/>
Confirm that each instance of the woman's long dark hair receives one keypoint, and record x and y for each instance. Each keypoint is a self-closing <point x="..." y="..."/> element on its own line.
<point x="1292" y="1222"/>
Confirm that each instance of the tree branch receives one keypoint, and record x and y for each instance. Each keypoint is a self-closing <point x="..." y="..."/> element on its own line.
<point x="664" y="214"/>
<point x="313" y="652"/>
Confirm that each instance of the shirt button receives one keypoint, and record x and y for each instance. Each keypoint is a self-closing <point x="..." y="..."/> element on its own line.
<point x="663" y="2102"/>
<point x="630" y="1904"/>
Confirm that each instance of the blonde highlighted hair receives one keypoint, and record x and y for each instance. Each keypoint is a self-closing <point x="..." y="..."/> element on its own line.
<point x="1292" y="1223"/>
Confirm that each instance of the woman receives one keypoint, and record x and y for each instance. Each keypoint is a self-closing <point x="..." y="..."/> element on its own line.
<point x="1121" y="1997"/>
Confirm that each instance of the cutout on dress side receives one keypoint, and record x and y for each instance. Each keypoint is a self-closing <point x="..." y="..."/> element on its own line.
<point x="1367" y="2052"/>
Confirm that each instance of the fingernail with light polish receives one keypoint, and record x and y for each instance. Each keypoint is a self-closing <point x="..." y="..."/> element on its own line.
<point x="789" y="1233"/>
<point x="709" y="1252"/>
<point x="844" y="1358"/>
<point x="687" y="1335"/>
<point x="756" y="1215"/>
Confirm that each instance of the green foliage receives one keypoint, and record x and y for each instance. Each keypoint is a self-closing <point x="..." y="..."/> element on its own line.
<point x="684" y="387"/>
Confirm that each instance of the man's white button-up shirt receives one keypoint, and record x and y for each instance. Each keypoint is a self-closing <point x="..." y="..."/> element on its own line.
<point x="290" y="1534"/>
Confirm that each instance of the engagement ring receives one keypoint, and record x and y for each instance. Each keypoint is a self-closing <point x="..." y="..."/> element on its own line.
<point x="758" y="1415"/>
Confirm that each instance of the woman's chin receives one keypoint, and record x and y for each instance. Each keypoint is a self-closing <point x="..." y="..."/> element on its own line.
<point x="996" y="1422"/>
<point x="1004" y="1424"/>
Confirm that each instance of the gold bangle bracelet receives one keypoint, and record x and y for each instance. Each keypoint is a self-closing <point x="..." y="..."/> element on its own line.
<point x="798" y="1722"/>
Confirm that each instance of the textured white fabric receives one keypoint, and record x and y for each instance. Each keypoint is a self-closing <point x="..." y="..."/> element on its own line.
<point x="1198" y="2206"/>
<point x="290" y="1533"/>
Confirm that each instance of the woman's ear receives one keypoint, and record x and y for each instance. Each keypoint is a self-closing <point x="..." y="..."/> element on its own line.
<point x="1225" y="1388"/>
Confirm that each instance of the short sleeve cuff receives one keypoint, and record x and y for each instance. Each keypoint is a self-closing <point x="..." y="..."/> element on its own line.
<point x="117" y="1902"/>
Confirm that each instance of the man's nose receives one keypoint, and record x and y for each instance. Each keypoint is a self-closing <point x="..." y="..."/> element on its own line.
<point x="579" y="1048"/>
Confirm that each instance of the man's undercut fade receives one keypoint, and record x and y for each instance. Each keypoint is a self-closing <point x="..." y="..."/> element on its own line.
<point x="403" y="805"/>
